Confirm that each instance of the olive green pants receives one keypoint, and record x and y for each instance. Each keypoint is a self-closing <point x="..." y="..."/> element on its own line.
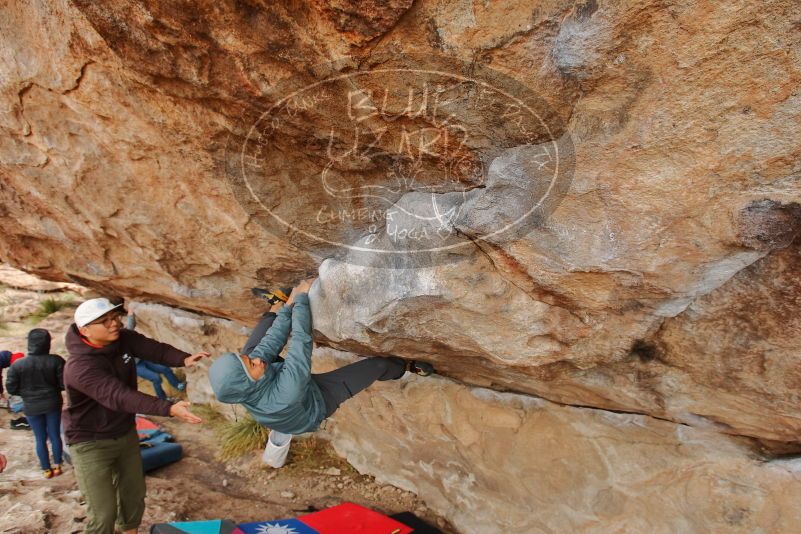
<point x="110" y="476"/>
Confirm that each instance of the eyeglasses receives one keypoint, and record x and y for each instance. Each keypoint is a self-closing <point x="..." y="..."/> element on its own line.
<point x="108" y="320"/>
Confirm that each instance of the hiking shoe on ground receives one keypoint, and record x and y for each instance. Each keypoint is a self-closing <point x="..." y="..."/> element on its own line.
<point x="48" y="473"/>
<point x="56" y="470"/>
<point x="420" y="368"/>
<point x="20" y="424"/>
<point x="277" y="295"/>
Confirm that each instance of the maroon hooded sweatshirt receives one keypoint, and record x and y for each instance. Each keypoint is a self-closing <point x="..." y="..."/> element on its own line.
<point x="102" y="399"/>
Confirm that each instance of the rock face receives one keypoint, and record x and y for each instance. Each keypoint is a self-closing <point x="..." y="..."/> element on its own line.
<point x="728" y="361"/>
<point x="17" y="279"/>
<point x="473" y="451"/>
<point x="593" y="203"/>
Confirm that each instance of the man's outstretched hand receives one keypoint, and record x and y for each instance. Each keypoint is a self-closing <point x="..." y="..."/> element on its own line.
<point x="181" y="410"/>
<point x="189" y="361"/>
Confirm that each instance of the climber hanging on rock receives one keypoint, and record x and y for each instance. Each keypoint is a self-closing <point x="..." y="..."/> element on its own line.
<point x="284" y="395"/>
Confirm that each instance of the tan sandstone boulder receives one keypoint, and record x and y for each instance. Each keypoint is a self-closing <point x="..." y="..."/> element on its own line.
<point x="594" y="203"/>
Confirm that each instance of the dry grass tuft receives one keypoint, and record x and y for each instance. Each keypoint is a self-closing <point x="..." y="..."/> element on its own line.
<point x="314" y="454"/>
<point x="246" y="436"/>
<point x="241" y="437"/>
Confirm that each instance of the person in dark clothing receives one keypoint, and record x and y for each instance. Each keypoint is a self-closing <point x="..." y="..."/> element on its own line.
<point x="5" y="363"/>
<point x="102" y="402"/>
<point x="39" y="380"/>
<point x="14" y="402"/>
<point x="7" y="358"/>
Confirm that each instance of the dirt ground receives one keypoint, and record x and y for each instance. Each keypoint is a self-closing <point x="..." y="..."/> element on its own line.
<point x="200" y="486"/>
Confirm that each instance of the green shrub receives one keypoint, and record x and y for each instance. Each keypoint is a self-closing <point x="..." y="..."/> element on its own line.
<point x="49" y="306"/>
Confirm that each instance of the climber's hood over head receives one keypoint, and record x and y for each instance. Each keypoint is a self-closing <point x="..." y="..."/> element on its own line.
<point x="230" y="381"/>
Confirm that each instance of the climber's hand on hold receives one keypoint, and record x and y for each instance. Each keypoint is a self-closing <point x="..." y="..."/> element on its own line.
<point x="189" y="361"/>
<point x="305" y="285"/>
<point x="297" y="290"/>
<point x="181" y="410"/>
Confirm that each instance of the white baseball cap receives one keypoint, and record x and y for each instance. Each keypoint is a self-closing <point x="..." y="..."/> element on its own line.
<point x="92" y="309"/>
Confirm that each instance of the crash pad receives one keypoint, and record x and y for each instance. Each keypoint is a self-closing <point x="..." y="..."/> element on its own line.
<point x="215" y="526"/>
<point x="353" y="519"/>
<point x="282" y="526"/>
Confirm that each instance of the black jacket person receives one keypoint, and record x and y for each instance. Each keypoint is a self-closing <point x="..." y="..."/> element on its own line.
<point x="38" y="379"/>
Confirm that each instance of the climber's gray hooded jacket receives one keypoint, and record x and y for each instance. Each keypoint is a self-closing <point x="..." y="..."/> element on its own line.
<point x="285" y="399"/>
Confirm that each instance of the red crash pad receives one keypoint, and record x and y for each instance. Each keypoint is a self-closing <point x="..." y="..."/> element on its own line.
<point x="358" y="519"/>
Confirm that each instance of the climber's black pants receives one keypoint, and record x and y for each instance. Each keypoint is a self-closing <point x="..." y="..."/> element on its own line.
<point x="343" y="383"/>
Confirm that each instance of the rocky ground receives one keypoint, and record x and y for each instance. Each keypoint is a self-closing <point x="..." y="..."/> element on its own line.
<point x="200" y="486"/>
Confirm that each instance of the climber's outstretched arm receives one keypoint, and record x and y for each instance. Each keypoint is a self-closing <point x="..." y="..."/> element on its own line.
<point x="291" y="381"/>
<point x="274" y="340"/>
